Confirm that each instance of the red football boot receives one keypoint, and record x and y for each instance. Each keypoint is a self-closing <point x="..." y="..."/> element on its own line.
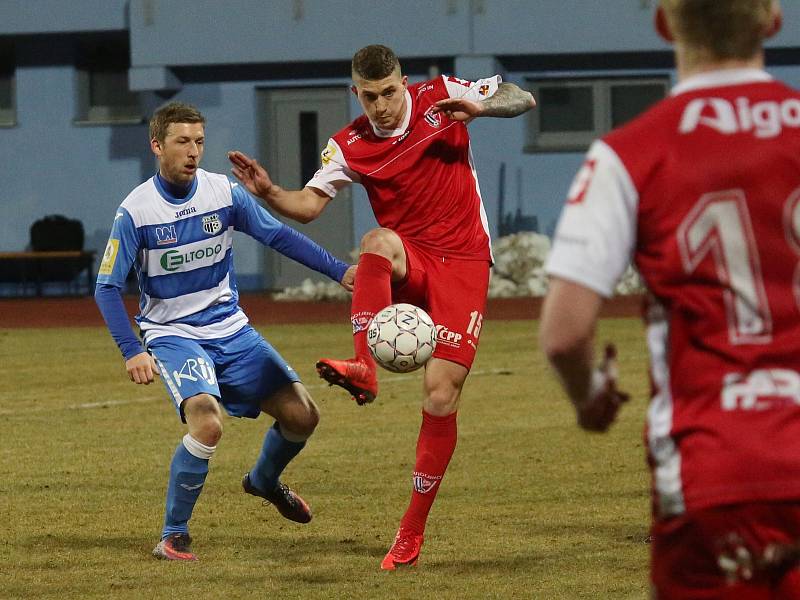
<point x="404" y="551"/>
<point x="175" y="547"/>
<point x="356" y="375"/>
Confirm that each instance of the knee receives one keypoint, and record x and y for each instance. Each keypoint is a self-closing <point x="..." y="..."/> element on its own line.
<point x="302" y="419"/>
<point x="442" y="397"/>
<point x="305" y="420"/>
<point x="380" y="241"/>
<point x="204" y="419"/>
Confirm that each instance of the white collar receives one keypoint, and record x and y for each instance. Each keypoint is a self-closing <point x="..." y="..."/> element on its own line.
<point x="720" y="78"/>
<point x="386" y="133"/>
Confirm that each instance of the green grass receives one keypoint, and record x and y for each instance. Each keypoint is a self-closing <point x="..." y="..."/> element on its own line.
<point x="531" y="507"/>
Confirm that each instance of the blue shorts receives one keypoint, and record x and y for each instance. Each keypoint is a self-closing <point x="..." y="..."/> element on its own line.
<point x="240" y="370"/>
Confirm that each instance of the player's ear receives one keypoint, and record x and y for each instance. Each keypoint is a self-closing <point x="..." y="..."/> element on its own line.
<point x="155" y="146"/>
<point x="662" y="26"/>
<point x="405" y="80"/>
<point x="354" y="89"/>
<point x="775" y="21"/>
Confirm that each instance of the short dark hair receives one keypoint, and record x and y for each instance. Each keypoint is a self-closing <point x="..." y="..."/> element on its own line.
<point x="374" y="62"/>
<point x="173" y="112"/>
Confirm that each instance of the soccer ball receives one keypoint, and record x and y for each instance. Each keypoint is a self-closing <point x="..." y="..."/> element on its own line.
<point x="401" y="337"/>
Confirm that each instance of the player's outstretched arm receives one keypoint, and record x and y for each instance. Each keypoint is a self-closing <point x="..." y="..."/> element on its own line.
<point x="301" y="205"/>
<point x="567" y="327"/>
<point x="508" y="101"/>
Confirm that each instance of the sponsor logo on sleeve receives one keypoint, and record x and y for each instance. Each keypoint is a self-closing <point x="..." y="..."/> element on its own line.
<point x="577" y="191"/>
<point x="483" y="90"/>
<point x="328" y="154"/>
<point x="109" y="257"/>
<point x="212" y="224"/>
<point x="165" y="234"/>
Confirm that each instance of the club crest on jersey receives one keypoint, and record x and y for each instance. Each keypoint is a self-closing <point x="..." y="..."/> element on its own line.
<point x="483" y="90"/>
<point x="433" y="119"/>
<point x="166" y="234"/>
<point x="424" y="483"/>
<point x="212" y="224"/>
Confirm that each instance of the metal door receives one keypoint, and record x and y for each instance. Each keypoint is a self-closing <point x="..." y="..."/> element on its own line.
<point x="295" y="126"/>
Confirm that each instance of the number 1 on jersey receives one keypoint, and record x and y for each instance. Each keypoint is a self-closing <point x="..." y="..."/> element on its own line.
<point x="719" y="224"/>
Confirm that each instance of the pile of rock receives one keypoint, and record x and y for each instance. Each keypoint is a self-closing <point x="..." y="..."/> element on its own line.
<point x="518" y="271"/>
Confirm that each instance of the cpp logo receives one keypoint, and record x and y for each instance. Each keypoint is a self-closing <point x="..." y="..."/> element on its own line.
<point x="448" y="337"/>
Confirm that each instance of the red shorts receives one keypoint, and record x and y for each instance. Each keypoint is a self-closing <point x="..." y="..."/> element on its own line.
<point x="453" y="292"/>
<point x="719" y="553"/>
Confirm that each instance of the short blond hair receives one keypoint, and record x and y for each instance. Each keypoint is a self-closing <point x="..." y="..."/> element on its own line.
<point x="723" y="29"/>
<point x="173" y="112"/>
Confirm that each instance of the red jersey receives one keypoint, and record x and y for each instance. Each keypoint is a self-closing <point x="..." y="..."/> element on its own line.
<point x="703" y="193"/>
<point x="420" y="178"/>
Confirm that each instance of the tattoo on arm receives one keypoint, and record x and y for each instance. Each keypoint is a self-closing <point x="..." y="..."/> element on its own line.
<point x="508" y="101"/>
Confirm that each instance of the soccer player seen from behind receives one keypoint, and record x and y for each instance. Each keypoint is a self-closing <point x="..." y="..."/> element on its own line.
<point x="411" y="152"/>
<point x="702" y="192"/>
<point x="177" y="229"/>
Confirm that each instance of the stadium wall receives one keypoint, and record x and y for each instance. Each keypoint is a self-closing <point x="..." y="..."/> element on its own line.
<point x="220" y="54"/>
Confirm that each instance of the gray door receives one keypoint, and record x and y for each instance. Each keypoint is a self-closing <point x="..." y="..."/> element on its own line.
<point x="295" y="126"/>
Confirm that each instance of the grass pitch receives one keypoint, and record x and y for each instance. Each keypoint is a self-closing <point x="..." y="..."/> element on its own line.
<point x="530" y="508"/>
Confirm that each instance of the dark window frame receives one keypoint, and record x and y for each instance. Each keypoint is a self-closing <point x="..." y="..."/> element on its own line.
<point x="96" y="59"/>
<point x="555" y="140"/>
<point x="8" y="71"/>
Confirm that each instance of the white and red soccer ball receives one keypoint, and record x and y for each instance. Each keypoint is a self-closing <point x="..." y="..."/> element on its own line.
<point x="401" y="337"/>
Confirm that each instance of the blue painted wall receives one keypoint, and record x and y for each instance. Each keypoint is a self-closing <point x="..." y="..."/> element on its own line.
<point x="49" y="164"/>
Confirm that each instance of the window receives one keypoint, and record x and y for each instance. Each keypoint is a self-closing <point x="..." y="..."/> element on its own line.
<point x="8" y="112"/>
<point x="103" y="93"/>
<point x="573" y="112"/>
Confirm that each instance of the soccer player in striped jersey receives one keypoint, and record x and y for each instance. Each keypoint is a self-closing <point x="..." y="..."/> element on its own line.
<point x="176" y="229"/>
<point x="411" y="152"/>
<point x="702" y="192"/>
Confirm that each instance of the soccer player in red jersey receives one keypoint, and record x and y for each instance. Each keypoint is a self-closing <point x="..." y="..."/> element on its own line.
<point x="702" y="192"/>
<point x="411" y="152"/>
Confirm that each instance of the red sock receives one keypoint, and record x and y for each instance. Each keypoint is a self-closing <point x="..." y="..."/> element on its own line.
<point x="372" y="292"/>
<point x="437" y="441"/>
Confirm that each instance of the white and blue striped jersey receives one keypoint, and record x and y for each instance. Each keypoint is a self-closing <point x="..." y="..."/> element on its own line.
<point x="183" y="256"/>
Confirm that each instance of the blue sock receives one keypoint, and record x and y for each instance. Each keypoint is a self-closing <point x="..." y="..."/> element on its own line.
<point x="187" y="473"/>
<point x="276" y="453"/>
